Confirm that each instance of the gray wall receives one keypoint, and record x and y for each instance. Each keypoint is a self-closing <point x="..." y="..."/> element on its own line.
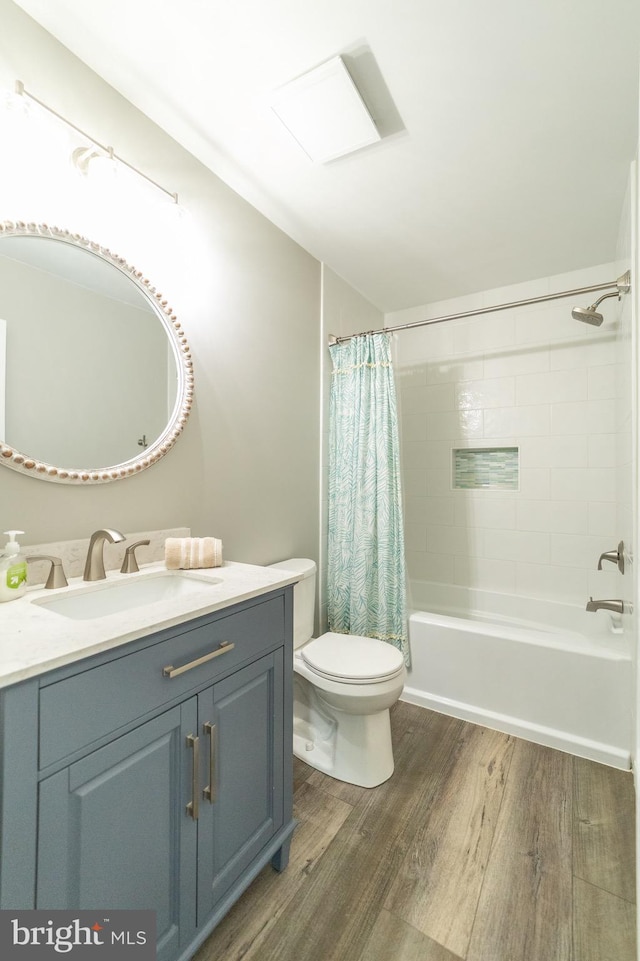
<point x="246" y="468"/>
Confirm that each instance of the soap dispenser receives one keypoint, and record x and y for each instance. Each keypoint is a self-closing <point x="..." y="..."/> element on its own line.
<point x="13" y="569"/>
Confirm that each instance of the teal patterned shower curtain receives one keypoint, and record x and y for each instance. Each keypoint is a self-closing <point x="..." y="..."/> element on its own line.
<point x="366" y="568"/>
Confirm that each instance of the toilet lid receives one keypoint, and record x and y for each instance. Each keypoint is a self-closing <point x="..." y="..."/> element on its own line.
<point x="352" y="656"/>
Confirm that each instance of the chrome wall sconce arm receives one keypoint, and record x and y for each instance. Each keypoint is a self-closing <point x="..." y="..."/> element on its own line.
<point x="81" y="157"/>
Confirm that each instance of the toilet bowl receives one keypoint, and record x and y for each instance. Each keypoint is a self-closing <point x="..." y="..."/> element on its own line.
<point x="344" y="685"/>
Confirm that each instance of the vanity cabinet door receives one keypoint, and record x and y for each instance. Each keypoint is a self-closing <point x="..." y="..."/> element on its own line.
<point x="114" y="831"/>
<point x="241" y="727"/>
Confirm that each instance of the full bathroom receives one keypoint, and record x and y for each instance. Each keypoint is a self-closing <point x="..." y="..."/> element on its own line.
<point x="482" y="804"/>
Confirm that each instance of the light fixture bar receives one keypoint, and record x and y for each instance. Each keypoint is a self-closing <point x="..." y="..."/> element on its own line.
<point x="108" y="151"/>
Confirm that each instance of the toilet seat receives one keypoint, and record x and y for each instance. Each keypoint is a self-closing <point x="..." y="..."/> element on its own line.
<point x="352" y="659"/>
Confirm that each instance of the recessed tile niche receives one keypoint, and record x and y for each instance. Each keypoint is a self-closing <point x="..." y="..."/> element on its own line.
<point x="485" y="468"/>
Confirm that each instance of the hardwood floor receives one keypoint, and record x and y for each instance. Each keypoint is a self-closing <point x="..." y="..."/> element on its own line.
<point x="481" y="847"/>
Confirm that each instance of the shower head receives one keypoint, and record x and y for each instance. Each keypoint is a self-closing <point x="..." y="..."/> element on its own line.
<point x="590" y="315"/>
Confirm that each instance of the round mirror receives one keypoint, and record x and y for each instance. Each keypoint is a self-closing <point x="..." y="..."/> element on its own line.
<point x="96" y="379"/>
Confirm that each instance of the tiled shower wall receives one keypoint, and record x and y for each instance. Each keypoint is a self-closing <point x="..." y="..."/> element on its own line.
<point x="531" y="378"/>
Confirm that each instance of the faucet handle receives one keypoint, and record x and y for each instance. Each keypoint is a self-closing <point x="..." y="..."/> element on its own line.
<point x="57" y="577"/>
<point x="130" y="561"/>
<point x="616" y="557"/>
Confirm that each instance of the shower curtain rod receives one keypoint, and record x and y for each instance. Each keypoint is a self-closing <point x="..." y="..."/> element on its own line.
<point x="475" y="313"/>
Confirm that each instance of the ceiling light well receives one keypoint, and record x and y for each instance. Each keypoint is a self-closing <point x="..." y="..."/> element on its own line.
<point x="324" y="112"/>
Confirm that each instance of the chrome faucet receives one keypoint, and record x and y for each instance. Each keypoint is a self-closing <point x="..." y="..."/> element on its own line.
<point x="94" y="567"/>
<point x="616" y="606"/>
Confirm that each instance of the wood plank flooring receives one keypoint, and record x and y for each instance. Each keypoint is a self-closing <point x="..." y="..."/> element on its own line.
<point x="481" y="847"/>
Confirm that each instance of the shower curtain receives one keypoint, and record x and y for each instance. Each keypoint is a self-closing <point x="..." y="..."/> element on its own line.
<point x="366" y="592"/>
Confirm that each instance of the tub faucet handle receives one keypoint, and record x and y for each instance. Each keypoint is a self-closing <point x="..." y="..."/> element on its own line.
<point x="616" y="557"/>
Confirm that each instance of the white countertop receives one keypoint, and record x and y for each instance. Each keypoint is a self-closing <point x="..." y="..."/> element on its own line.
<point x="34" y="640"/>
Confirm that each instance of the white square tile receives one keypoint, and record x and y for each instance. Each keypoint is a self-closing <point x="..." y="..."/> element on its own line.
<point x="553" y="516"/>
<point x="485" y="574"/>
<point x="601" y="484"/>
<point x="472" y="394"/>
<point x="576" y="550"/>
<point x="413" y="376"/>
<point x="570" y="418"/>
<point x="456" y="425"/>
<point x="568" y="584"/>
<point x="414" y="482"/>
<point x="584" y="354"/>
<point x="517" y="421"/>
<point x="452" y="371"/>
<point x="550" y="387"/>
<point x="605" y="584"/>
<point x="438" y="482"/>
<point x="413" y="456"/>
<point x="536" y="326"/>
<point x="423" y="345"/>
<point x="428" y="510"/>
<point x="494" y="512"/>
<point x="510" y="363"/>
<point x="569" y="484"/>
<point x="415" y="537"/>
<point x="482" y="333"/>
<point x="428" y="398"/>
<point x="454" y="541"/>
<point x="499" y="422"/>
<point x="602" y="519"/>
<point x="413" y="427"/>
<point x="625" y="492"/>
<point x="535" y="483"/>
<point x="552" y="451"/>
<point x="439" y="455"/>
<point x="584" y="417"/>
<point x="603" y="450"/>
<point x="430" y="567"/>
<point x="603" y="382"/>
<point x="602" y="416"/>
<point x="529" y="546"/>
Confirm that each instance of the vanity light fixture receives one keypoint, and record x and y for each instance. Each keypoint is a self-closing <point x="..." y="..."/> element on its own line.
<point x="83" y="157"/>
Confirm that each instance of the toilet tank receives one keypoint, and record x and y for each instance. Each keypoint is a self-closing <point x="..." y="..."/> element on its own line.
<point x="304" y="597"/>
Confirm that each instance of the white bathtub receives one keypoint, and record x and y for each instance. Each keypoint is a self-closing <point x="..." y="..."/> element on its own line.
<point x="548" y="672"/>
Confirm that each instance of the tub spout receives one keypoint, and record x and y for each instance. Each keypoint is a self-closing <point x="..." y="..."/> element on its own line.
<point x="616" y="606"/>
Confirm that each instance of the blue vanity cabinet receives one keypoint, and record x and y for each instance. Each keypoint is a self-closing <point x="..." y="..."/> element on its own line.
<point x="154" y="775"/>
<point x="242" y="806"/>
<point x="112" y="832"/>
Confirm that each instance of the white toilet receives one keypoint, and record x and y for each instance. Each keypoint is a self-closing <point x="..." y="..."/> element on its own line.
<point x="344" y="685"/>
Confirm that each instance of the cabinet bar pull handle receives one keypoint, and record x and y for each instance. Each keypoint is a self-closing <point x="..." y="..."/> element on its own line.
<point x="171" y="671"/>
<point x="210" y="791"/>
<point x="193" y="807"/>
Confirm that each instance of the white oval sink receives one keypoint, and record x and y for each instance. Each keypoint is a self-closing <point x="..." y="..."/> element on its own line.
<point x="102" y="599"/>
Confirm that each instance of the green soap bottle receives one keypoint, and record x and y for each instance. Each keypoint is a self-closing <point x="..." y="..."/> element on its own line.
<point x="13" y="569"/>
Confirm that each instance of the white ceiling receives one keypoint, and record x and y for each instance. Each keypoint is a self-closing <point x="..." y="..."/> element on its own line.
<point x="508" y="126"/>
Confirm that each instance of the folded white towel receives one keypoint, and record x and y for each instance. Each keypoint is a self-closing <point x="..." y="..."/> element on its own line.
<point x="188" y="553"/>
